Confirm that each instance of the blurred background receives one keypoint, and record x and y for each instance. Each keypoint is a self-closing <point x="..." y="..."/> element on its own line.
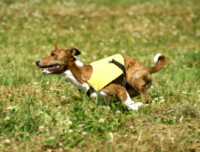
<point x="47" y="113"/>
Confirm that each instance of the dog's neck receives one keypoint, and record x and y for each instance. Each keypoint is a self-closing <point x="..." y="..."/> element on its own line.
<point x="78" y="74"/>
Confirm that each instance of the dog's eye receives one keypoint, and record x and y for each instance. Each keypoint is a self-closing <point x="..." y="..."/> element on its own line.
<point x="52" y="54"/>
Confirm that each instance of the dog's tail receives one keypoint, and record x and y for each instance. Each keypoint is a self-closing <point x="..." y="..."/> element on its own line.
<point x="157" y="67"/>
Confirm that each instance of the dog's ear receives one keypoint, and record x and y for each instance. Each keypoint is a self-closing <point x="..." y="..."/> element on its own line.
<point x="56" y="46"/>
<point x="73" y="51"/>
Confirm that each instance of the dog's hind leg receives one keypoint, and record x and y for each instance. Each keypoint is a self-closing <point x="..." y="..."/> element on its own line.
<point x="146" y="98"/>
<point x="121" y="93"/>
<point x="141" y="87"/>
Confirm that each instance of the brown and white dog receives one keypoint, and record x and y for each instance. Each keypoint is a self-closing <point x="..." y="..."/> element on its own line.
<point x="137" y="80"/>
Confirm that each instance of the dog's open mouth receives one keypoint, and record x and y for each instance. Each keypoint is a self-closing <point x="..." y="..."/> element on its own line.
<point x="49" y="69"/>
<point x="53" y="67"/>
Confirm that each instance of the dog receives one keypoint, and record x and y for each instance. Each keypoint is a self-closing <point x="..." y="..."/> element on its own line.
<point x="135" y="80"/>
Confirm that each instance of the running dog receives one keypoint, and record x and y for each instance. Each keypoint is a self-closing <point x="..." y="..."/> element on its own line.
<point x="134" y="79"/>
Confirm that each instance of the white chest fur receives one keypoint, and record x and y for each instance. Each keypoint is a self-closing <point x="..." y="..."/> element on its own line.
<point x="69" y="76"/>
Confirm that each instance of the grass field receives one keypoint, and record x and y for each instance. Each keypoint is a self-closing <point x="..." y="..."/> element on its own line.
<point x="40" y="113"/>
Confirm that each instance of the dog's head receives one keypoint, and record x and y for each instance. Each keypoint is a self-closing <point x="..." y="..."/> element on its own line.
<point x="58" y="60"/>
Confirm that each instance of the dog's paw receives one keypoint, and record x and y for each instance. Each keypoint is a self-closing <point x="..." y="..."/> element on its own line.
<point x="139" y="104"/>
<point x="135" y="106"/>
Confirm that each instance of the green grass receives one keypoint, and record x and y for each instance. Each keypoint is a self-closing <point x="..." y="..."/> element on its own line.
<point x="40" y="113"/>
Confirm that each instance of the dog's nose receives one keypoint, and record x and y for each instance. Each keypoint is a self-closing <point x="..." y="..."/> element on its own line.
<point x="37" y="62"/>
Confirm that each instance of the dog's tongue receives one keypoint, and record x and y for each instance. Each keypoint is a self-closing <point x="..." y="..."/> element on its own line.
<point x="48" y="69"/>
<point x="52" y="68"/>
